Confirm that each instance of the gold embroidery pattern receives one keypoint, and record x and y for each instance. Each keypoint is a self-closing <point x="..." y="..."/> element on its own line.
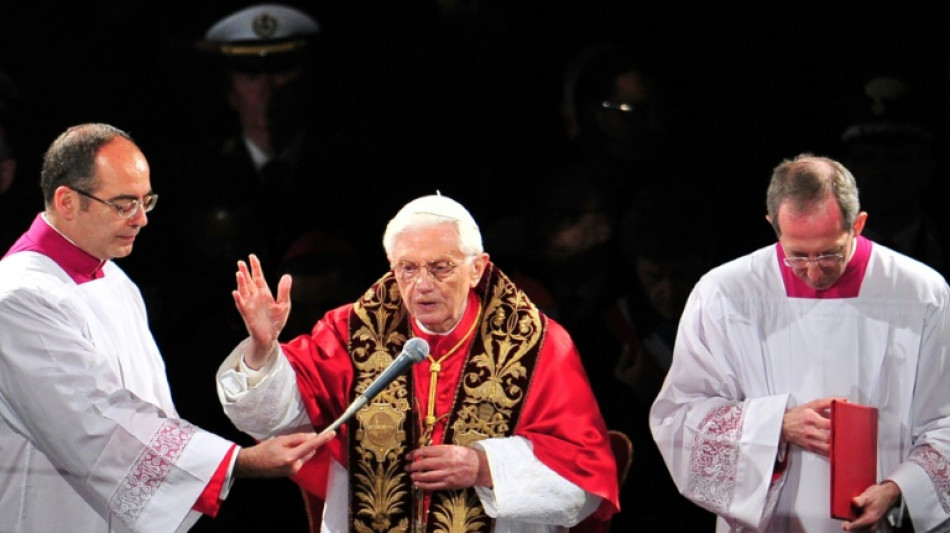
<point x="494" y="382"/>
<point x="379" y="313"/>
<point x="380" y="500"/>
<point x="487" y="403"/>
<point x="381" y="428"/>
<point x="380" y="506"/>
<point x="459" y="511"/>
<point x="496" y="379"/>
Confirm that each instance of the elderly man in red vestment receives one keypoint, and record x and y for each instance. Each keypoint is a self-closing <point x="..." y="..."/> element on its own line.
<point x="496" y="430"/>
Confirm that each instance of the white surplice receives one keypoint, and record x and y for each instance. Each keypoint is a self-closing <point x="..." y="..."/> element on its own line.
<point x="89" y="439"/>
<point x="745" y="352"/>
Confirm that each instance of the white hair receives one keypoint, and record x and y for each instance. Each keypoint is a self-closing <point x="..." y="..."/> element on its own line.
<point x="433" y="210"/>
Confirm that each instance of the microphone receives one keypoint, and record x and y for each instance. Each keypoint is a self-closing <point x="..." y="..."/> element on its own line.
<point x="413" y="351"/>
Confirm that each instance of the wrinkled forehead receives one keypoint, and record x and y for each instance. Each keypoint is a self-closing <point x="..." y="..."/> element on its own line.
<point x="822" y="210"/>
<point x="811" y="231"/>
<point x="427" y="243"/>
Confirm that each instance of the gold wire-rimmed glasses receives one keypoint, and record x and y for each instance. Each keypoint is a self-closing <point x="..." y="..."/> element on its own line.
<point x="127" y="208"/>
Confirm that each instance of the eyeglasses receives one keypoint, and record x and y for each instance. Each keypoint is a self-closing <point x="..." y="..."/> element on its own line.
<point x="618" y="106"/>
<point x="127" y="208"/>
<point x="827" y="261"/>
<point x="439" y="270"/>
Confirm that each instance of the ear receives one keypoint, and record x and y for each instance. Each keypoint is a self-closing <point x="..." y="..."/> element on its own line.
<point x="479" y="264"/>
<point x="859" y="222"/>
<point x="65" y="203"/>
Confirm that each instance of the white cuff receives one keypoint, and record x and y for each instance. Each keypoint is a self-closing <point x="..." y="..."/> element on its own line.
<point x="526" y="490"/>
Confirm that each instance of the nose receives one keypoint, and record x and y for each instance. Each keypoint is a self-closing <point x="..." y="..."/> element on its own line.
<point x="814" y="272"/>
<point x="271" y="82"/>
<point x="424" y="277"/>
<point x="664" y="287"/>
<point x="140" y="218"/>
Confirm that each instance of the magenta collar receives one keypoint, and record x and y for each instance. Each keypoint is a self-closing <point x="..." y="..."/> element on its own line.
<point x="847" y="286"/>
<point x="42" y="238"/>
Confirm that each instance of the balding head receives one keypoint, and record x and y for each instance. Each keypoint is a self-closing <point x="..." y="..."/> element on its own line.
<point x="802" y="183"/>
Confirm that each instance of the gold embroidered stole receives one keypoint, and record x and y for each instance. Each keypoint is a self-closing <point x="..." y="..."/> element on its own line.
<point x="488" y="402"/>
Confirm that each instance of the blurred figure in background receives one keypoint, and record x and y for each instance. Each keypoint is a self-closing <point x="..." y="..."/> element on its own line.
<point x="619" y="276"/>
<point x="617" y="115"/>
<point x="576" y="225"/>
<point x="580" y="267"/>
<point x="891" y="148"/>
<point x="250" y="184"/>
<point x="665" y="253"/>
<point x="248" y="173"/>
<point x="327" y="273"/>
<point x="17" y="204"/>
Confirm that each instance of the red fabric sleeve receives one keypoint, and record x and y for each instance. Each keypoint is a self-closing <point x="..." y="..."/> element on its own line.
<point x="312" y="477"/>
<point x="781" y="464"/>
<point x="209" y="502"/>
<point x="562" y="420"/>
<point x="325" y="378"/>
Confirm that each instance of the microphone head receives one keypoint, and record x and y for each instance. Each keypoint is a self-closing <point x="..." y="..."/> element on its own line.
<point x="417" y="349"/>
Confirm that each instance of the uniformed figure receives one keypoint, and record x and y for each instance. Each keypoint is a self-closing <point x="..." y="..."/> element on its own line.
<point x="891" y="144"/>
<point x="255" y="184"/>
<point x="251" y="183"/>
<point x="18" y="200"/>
<point x="264" y="49"/>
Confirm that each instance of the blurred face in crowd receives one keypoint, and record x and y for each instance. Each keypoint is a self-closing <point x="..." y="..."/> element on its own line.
<point x="7" y="162"/>
<point x="630" y="122"/>
<point x="817" y="232"/>
<point x="123" y="179"/>
<point x="667" y="283"/>
<point x="434" y="276"/>
<point x="250" y="96"/>
<point x="893" y="174"/>
<point x="576" y="235"/>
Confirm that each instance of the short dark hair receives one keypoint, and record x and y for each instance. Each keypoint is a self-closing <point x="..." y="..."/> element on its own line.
<point x="70" y="159"/>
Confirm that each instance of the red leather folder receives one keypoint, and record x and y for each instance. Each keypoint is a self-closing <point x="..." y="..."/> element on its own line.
<point x="853" y="455"/>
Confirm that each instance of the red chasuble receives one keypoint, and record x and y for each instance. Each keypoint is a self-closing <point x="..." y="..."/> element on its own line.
<point x="559" y="414"/>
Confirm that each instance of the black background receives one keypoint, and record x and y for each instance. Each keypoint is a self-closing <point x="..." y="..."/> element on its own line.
<point x="434" y="97"/>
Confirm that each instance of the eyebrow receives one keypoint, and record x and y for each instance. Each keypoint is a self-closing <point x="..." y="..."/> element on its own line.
<point x="838" y="250"/>
<point x="426" y="262"/>
<point x="130" y="196"/>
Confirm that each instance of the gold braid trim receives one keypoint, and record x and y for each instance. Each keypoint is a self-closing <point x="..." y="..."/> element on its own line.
<point x="488" y="403"/>
<point x="380" y="499"/>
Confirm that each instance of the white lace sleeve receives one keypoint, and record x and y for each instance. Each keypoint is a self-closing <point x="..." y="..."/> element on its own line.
<point x="526" y="490"/>
<point x="261" y="403"/>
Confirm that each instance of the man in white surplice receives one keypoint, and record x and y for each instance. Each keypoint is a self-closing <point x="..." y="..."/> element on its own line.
<point x="90" y="440"/>
<point x="768" y="340"/>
